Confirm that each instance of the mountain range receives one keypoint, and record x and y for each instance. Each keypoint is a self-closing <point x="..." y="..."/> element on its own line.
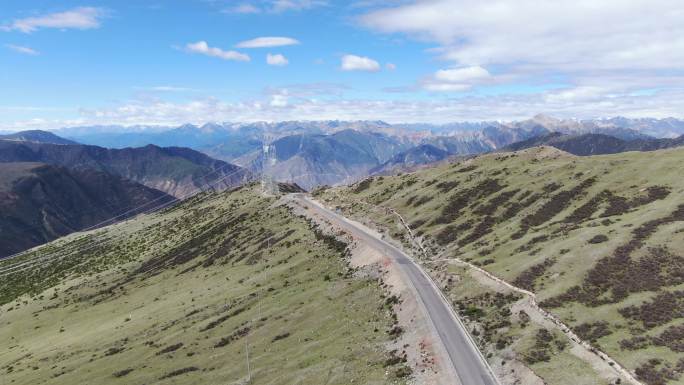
<point x="241" y="142"/>
<point x="413" y="157"/>
<point x="51" y="186"/>
<point x="598" y="245"/>
<point x="622" y="127"/>
<point x="314" y="153"/>
<point x="307" y="159"/>
<point x="173" y="170"/>
<point x="36" y="136"/>
<point x="230" y="140"/>
<point x="598" y="239"/>
<point x="595" y="144"/>
<point x="311" y="160"/>
<point x="225" y="141"/>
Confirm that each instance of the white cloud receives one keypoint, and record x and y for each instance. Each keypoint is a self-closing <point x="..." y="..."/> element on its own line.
<point x="445" y="87"/>
<point x="390" y="66"/>
<point x="276" y="60"/>
<point x="268" y="41"/>
<point x="602" y="53"/>
<point x="295" y="5"/>
<point x="462" y="75"/>
<point x="581" y="94"/>
<point x="564" y="34"/>
<point x="280" y="99"/>
<point x="22" y="49"/>
<point x="279" y="106"/>
<point x="202" y="47"/>
<point x="307" y="91"/>
<point x="275" y="6"/>
<point x="359" y="63"/>
<point x="77" y="18"/>
<point x="244" y="9"/>
<point x="456" y="79"/>
<point x="286" y="104"/>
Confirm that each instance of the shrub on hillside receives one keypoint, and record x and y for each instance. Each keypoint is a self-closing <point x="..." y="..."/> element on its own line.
<point x="600" y="238"/>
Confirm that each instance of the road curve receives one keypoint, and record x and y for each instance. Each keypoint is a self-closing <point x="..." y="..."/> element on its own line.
<point x="467" y="361"/>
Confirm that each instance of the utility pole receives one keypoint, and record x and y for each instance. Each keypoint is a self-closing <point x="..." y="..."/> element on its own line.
<point x="249" y="370"/>
<point x="259" y="303"/>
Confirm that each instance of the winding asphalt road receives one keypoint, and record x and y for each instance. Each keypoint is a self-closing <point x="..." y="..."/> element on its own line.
<point x="467" y="361"/>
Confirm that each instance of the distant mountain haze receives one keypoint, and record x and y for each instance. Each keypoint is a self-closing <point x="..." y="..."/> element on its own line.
<point x="225" y="141"/>
<point x="313" y="153"/>
<point x="228" y="141"/>
<point x="36" y="136"/>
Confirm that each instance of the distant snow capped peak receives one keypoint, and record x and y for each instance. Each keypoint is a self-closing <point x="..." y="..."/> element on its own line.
<point x="619" y="126"/>
<point x="545" y="119"/>
<point x="187" y="126"/>
<point x="211" y="127"/>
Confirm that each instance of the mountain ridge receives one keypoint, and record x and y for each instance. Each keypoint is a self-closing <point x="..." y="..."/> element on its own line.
<point x="415" y="156"/>
<point x="318" y="159"/>
<point x="174" y="170"/>
<point x="230" y="140"/>
<point x="186" y="295"/>
<point x="314" y="153"/>
<point x="41" y="202"/>
<point x="594" y="144"/>
<point x="599" y="240"/>
<point x="36" y="136"/>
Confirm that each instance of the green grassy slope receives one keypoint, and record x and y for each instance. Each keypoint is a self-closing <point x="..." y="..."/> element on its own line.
<point x="599" y="239"/>
<point x="179" y="297"/>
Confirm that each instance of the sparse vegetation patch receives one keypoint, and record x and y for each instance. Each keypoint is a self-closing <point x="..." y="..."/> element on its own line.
<point x="620" y="274"/>
<point x="527" y="278"/>
<point x="179" y="372"/>
<point x="553" y="207"/>
<point x="463" y="198"/>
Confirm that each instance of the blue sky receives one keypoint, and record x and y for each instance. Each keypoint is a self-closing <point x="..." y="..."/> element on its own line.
<point x="169" y="62"/>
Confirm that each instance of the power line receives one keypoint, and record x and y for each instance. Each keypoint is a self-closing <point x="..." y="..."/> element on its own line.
<point x="269" y="159"/>
<point x="137" y="208"/>
<point x="38" y="259"/>
<point x="130" y="208"/>
<point x="249" y="368"/>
